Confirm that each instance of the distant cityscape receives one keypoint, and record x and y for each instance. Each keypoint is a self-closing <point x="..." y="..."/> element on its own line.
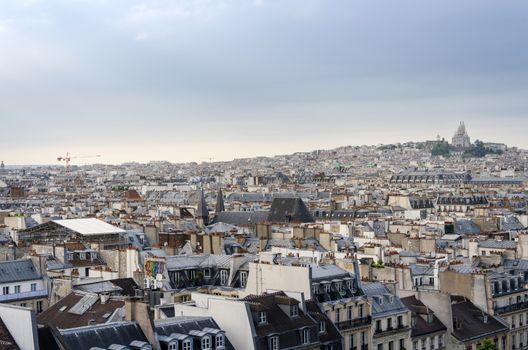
<point x="415" y="245"/>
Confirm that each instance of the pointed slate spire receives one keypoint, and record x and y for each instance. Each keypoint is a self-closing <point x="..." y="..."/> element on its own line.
<point x="220" y="207"/>
<point x="202" y="211"/>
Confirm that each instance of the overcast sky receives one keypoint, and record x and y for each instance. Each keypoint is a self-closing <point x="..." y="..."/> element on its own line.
<point x="188" y="80"/>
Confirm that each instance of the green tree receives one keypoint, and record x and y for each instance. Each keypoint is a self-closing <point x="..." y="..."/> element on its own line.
<point x="441" y="149"/>
<point x="487" y="344"/>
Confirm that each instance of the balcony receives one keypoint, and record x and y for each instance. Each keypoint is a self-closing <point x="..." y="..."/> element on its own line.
<point x="511" y="308"/>
<point x="357" y="322"/>
<point x="26" y="295"/>
<point x="390" y="330"/>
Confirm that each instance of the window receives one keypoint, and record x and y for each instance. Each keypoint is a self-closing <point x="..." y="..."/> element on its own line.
<point x="207" y="273"/>
<point x="361" y="314"/>
<point x="322" y="327"/>
<point x="402" y="343"/>
<point x="243" y="279"/>
<point x="219" y="341"/>
<point x="294" y="310"/>
<point x="306" y="336"/>
<point x="380" y="346"/>
<point x="5" y="290"/>
<point x="349" y="313"/>
<point x="223" y="277"/>
<point x="206" y="343"/>
<point x="400" y="321"/>
<point x="274" y="342"/>
<point x="389" y="323"/>
<point x="187" y="345"/>
<point x="263" y="317"/>
<point x="338" y="315"/>
<point x="82" y="256"/>
<point x="364" y="340"/>
<point x="391" y="345"/>
<point x="39" y="306"/>
<point x="352" y="343"/>
<point x="378" y="325"/>
<point x="192" y="274"/>
<point x="23" y="304"/>
<point x="33" y="287"/>
<point x="17" y="289"/>
<point x="173" y="346"/>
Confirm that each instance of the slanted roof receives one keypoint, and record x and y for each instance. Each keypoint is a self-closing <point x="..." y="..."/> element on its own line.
<point x="97" y="313"/>
<point x="470" y="323"/>
<point x="278" y="322"/>
<point x="383" y="301"/>
<point x="242" y="218"/>
<point x="289" y="210"/>
<point x="89" y="226"/>
<point x="491" y="243"/>
<point x="102" y="336"/>
<point x="17" y="271"/>
<point x="187" y="325"/>
<point x="7" y="342"/>
<point x="420" y="311"/>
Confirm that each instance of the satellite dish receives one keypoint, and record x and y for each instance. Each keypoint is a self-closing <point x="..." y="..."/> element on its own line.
<point x="159" y="277"/>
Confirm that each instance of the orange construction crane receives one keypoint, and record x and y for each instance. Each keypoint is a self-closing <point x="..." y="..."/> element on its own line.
<point x="69" y="157"/>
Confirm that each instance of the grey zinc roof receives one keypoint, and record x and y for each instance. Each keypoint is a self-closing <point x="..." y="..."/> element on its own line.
<point x="510" y="223"/>
<point x="520" y="264"/>
<point x="18" y="270"/>
<point x="490" y="243"/>
<point x="327" y="272"/>
<point x="421" y="270"/>
<point x="376" y="291"/>
<point x="119" y="333"/>
<point x="241" y="218"/>
<point x="466" y="227"/>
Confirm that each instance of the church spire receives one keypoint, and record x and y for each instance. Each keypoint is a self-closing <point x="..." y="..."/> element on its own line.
<point x="202" y="212"/>
<point x="220" y="207"/>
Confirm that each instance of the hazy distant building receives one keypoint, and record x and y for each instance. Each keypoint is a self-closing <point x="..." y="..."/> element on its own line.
<point x="461" y="138"/>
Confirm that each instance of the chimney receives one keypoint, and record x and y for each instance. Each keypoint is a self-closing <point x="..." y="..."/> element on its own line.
<point x="104" y="298"/>
<point x="139" y="311"/>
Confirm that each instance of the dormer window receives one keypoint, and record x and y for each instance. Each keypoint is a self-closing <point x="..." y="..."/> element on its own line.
<point x="82" y="256"/>
<point x="187" y="345"/>
<point x="349" y="284"/>
<point x="70" y="256"/>
<point x="206" y="343"/>
<point x="219" y="341"/>
<point x="327" y="287"/>
<point x="263" y="317"/>
<point x="322" y="327"/>
<point x="243" y="278"/>
<point x="294" y="311"/>
<point x="305" y="336"/>
<point x="274" y="343"/>
<point x="173" y="345"/>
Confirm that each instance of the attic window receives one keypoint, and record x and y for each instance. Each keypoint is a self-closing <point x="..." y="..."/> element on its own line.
<point x="63" y="308"/>
<point x="294" y="311"/>
<point x="263" y="317"/>
<point x="322" y="327"/>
